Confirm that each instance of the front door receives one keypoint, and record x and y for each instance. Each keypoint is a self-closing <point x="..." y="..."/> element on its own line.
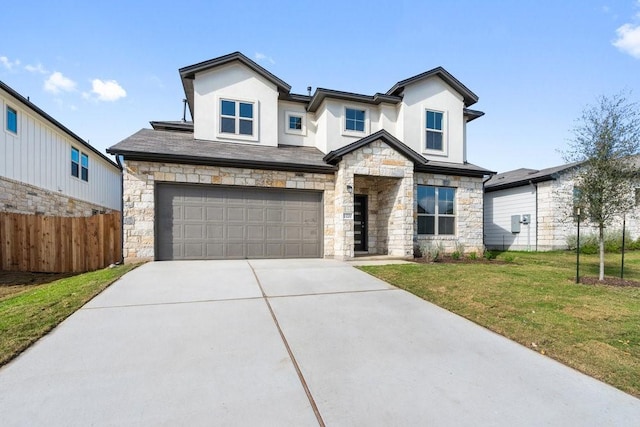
<point x="360" y="223"/>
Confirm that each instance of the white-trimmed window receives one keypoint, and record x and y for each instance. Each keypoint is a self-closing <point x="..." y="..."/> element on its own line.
<point x="12" y="120"/>
<point x="295" y="123"/>
<point x="436" y="210"/>
<point x="434" y="132"/>
<point x="237" y="117"/>
<point x="355" y="121"/>
<point x="79" y="164"/>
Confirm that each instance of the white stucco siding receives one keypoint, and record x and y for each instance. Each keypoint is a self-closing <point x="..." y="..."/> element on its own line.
<point x="499" y="206"/>
<point x="40" y="155"/>
<point x="307" y="136"/>
<point x="239" y="83"/>
<point x="433" y="94"/>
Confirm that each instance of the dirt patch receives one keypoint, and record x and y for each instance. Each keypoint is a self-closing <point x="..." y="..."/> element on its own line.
<point x="610" y="281"/>
<point x="13" y="282"/>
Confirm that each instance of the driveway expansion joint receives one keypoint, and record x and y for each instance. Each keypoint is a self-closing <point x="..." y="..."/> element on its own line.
<point x="303" y="382"/>
<point x="171" y="303"/>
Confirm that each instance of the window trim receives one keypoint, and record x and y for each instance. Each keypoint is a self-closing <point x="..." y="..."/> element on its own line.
<point x="436" y="215"/>
<point x="6" y="118"/>
<point x="445" y="136"/>
<point x="237" y="136"/>
<point x="288" y="115"/>
<point x="356" y="133"/>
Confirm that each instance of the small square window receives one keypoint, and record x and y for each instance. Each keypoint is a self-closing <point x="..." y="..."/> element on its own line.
<point x="354" y="119"/>
<point x="12" y="120"/>
<point x="295" y="122"/>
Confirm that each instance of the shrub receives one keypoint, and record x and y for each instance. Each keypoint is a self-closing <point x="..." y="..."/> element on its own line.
<point x="455" y="255"/>
<point x="473" y="256"/>
<point x="431" y="251"/>
<point x="509" y="258"/>
<point x="489" y="255"/>
<point x="612" y="242"/>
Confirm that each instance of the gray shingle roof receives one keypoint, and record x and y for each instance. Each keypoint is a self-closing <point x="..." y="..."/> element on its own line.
<point x="181" y="147"/>
<point x="522" y="176"/>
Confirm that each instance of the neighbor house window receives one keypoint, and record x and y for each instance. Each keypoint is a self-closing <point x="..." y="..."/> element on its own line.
<point x="434" y="133"/>
<point x="84" y="167"/>
<point x="79" y="164"/>
<point x="75" y="162"/>
<point x="236" y="117"/>
<point x="354" y="120"/>
<point x="12" y="120"/>
<point x="436" y="210"/>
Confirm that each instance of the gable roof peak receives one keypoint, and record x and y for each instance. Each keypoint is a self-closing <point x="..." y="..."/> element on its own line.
<point x="470" y="98"/>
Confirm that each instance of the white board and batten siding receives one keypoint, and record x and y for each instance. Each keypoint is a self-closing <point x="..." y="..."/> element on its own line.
<point x="40" y="155"/>
<point x="499" y="206"/>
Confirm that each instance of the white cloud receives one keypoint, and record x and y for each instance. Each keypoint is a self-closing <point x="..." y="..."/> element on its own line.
<point x="106" y="90"/>
<point x="57" y="83"/>
<point x="8" y="64"/>
<point x="36" y="68"/>
<point x="262" y="57"/>
<point x="628" y="40"/>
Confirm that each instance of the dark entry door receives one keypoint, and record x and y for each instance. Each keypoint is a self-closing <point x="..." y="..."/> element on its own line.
<point x="360" y="223"/>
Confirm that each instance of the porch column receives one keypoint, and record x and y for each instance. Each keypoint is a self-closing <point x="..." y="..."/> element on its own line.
<point x="343" y="243"/>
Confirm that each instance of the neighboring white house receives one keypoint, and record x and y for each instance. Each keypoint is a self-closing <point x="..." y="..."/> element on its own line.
<point x="265" y="173"/>
<point x="47" y="169"/>
<point x="529" y="209"/>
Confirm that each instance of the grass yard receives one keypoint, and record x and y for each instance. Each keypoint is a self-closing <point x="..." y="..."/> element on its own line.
<point x="28" y="313"/>
<point x="533" y="299"/>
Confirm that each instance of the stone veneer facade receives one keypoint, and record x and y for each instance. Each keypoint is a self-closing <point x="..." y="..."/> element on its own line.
<point x="555" y="216"/>
<point x="375" y="170"/>
<point x="139" y="196"/>
<point x="18" y="197"/>
<point x="468" y="209"/>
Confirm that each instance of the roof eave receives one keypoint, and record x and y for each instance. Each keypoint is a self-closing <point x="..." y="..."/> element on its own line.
<point x="470" y="98"/>
<point x="212" y="161"/>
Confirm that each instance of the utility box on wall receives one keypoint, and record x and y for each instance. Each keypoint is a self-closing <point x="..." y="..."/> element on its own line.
<point x="515" y="223"/>
<point x="526" y="219"/>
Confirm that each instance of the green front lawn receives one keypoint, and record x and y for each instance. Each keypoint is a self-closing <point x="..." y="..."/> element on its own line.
<point x="534" y="300"/>
<point x="28" y="315"/>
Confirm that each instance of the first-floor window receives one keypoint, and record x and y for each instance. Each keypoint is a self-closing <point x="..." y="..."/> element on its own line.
<point x="236" y="117"/>
<point x="12" y="120"/>
<point x="436" y="210"/>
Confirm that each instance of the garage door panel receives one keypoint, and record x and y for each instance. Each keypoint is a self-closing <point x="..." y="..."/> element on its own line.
<point x="213" y="222"/>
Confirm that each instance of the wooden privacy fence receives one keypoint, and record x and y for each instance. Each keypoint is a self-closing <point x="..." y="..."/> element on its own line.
<point x="59" y="244"/>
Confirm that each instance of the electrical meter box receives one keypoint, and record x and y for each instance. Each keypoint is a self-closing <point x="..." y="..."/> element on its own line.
<point x="515" y="223"/>
<point x="526" y="219"/>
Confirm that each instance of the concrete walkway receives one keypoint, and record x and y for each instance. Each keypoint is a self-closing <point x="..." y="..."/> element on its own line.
<point x="287" y="343"/>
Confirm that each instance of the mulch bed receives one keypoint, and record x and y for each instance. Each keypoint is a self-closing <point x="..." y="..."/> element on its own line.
<point x="609" y="281"/>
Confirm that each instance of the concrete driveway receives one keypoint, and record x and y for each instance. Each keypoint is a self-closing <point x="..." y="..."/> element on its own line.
<point x="279" y="343"/>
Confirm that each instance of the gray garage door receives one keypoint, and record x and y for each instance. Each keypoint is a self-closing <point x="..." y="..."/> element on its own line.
<point x="213" y="222"/>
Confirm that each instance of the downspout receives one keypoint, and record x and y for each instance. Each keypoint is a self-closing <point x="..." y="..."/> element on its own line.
<point x="119" y="162"/>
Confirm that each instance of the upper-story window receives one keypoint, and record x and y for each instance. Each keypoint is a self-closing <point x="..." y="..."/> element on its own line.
<point x="354" y="120"/>
<point x="295" y="123"/>
<point x="434" y="131"/>
<point x="79" y="164"/>
<point x="12" y="120"/>
<point x="236" y="117"/>
<point x="436" y="210"/>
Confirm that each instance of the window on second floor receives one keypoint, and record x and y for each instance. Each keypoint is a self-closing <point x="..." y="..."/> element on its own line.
<point x="295" y="123"/>
<point x="12" y="120"/>
<point x="434" y="131"/>
<point x="436" y="210"/>
<point x="236" y="117"/>
<point x="354" y="120"/>
<point x="79" y="164"/>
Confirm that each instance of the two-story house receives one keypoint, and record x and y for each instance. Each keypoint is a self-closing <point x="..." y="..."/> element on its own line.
<point x="47" y="169"/>
<point x="265" y="173"/>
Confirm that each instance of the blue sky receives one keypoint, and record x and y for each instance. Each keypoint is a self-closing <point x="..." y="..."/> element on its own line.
<point x="105" y="69"/>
